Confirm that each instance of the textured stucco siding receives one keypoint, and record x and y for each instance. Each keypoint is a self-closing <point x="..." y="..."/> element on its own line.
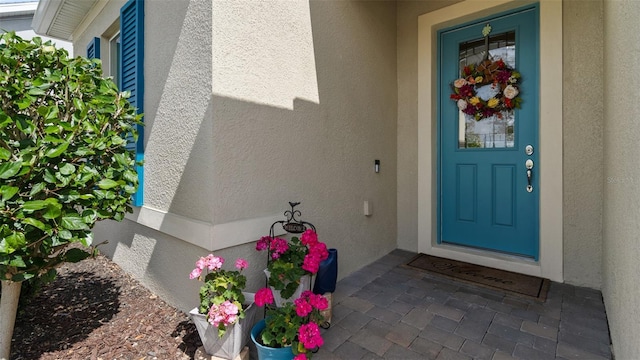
<point x="178" y="149"/>
<point x="621" y="268"/>
<point x="583" y="144"/>
<point x="250" y="105"/>
<point x="318" y="107"/>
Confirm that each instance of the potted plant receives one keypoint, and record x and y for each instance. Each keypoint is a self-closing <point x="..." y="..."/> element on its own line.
<point x="292" y="263"/>
<point x="291" y="331"/>
<point x="226" y="313"/>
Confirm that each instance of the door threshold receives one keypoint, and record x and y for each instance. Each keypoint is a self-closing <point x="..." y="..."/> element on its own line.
<point x="508" y="262"/>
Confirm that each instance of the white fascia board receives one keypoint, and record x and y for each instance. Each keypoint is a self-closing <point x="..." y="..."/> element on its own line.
<point x="44" y="15"/>
<point x="18" y="9"/>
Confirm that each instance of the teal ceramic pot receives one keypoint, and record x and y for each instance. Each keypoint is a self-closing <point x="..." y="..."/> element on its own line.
<point x="265" y="352"/>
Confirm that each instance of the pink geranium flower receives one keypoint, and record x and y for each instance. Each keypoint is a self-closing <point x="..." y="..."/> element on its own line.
<point x="214" y="262"/>
<point x="221" y="295"/>
<point x="319" y="302"/>
<point x="300" y="356"/>
<point x="303" y="308"/>
<point x="263" y="243"/>
<point x="309" y="335"/>
<point x="241" y="264"/>
<point x="264" y="296"/>
<point x="195" y="273"/>
<point x="309" y="237"/>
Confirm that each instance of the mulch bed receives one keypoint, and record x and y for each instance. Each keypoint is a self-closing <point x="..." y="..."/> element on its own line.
<point x="94" y="310"/>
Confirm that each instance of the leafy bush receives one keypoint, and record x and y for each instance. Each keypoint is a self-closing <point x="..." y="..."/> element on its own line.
<point x="63" y="158"/>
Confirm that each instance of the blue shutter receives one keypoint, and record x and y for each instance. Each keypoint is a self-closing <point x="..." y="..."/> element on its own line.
<point x="132" y="75"/>
<point x="93" y="49"/>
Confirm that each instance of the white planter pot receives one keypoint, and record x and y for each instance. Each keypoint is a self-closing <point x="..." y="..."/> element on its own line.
<point x="305" y="284"/>
<point x="234" y="339"/>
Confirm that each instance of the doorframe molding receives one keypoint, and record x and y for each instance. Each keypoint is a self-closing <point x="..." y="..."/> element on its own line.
<point x="550" y="263"/>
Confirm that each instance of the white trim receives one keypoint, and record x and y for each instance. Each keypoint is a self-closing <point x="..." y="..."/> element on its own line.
<point x="204" y="234"/>
<point x="550" y="264"/>
<point x="17" y="9"/>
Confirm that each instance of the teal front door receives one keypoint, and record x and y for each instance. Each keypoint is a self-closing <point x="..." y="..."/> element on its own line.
<point x="488" y="170"/>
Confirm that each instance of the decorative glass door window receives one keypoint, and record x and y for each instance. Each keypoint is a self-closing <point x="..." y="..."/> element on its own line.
<point x="496" y="131"/>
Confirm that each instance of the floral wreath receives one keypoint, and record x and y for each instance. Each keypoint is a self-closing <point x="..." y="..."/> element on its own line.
<point x="487" y="89"/>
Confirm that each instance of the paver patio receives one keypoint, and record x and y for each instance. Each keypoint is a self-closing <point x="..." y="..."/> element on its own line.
<point x="388" y="311"/>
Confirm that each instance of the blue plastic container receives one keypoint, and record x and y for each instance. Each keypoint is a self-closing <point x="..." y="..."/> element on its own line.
<point x="327" y="274"/>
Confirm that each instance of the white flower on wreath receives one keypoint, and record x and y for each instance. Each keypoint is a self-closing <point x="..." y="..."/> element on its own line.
<point x="460" y="83"/>
<point x="462" y="104"/>
<point x="510" y="92"/>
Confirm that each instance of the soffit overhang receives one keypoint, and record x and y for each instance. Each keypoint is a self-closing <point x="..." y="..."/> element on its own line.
<point x="60" y="18"/>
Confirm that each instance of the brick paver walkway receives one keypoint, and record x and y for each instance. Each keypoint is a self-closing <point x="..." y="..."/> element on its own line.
<point x="387" y="311"/>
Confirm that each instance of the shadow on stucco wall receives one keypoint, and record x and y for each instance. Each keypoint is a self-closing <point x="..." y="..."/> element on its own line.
<point x="221" y="158"/>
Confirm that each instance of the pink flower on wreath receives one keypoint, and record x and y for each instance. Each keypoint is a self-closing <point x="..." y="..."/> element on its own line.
<point x="309" y="237"/>
<point x="309" y="336"/>
<point x="241" y="264"/>
<point x="264" y="296"/>
<point x="301" y="356"/>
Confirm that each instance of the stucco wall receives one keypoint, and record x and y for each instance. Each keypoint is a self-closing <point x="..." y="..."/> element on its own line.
<point x="178" y="150"/>
<point x="304" y="102"/>
<point x="583" y="147"/>
<point x="621" y="267"/>
<point x="275" y="102"/>
<point x="408" y="12"/>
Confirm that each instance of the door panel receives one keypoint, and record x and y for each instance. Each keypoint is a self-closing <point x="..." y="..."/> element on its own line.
<point x="482" y="179"/>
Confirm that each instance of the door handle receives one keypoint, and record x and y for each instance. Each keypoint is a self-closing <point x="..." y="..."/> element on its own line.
<point x="529" y="165"/>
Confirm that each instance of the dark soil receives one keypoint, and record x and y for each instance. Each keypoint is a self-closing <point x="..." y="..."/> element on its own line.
<point x="94" y="310"/>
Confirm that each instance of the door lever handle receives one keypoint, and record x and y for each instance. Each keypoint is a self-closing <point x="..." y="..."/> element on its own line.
<point x="529" y="165"/>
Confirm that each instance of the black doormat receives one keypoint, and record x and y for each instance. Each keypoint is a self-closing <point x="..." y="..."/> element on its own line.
<point x="518" y="284"/>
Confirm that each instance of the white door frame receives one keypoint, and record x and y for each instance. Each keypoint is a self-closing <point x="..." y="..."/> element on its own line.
<point x="550" y="263"/>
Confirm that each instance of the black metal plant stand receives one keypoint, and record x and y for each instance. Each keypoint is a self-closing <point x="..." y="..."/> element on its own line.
<point x="292" y="226"/>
